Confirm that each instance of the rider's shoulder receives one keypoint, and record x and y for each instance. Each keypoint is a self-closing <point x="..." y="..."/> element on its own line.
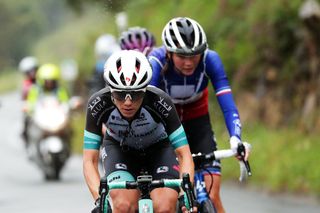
<point x="211" y="54"/>
<point x="156" y="92"/>
<point x="103" y="94"/>
<point x="212" y="59"/>
<point x="158" y="52"/>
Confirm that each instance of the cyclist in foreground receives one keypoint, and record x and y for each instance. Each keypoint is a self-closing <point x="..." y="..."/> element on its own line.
<point x="137" y="38"/>
<point x="144" y="134"/>
<point x="182" y="68"/>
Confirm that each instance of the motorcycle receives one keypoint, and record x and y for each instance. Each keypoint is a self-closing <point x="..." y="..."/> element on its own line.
<point x="49" y="134"/>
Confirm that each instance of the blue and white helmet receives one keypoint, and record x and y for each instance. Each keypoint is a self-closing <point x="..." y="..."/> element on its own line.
<point x="184" y="36"/>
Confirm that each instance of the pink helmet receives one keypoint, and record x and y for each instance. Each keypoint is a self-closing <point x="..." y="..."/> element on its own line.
<point x="137" y="38"/>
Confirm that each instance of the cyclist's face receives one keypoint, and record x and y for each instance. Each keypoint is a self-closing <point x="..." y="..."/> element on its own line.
<point x="127" y="103"/>
<point x="185" y="64"/>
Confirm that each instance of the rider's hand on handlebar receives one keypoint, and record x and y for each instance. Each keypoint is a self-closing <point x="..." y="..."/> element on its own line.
<point x="185" y="210"/>
<point x="235" y="142"/>
<point x="182" y="206"/>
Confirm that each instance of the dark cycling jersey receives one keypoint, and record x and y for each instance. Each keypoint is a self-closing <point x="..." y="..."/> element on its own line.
<point x="156" y="120"/>
<point x="190" y="93"/>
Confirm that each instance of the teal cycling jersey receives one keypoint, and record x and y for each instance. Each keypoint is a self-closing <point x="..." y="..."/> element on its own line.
<point x="155" y="121"/>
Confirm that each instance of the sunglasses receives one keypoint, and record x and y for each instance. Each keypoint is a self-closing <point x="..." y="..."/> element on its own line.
<point x="123" y="95"/>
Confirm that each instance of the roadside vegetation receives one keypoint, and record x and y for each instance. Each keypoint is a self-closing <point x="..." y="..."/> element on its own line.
<point x="9" y="81"/>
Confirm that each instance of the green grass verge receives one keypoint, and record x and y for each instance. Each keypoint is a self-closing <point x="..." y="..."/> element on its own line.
<point x="77" y="123"/>
<point x="281" y="160"/>
<point x="9" y="81"/>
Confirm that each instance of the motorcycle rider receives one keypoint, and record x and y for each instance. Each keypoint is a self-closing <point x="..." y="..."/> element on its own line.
<point x="105" y="45"/>
<point x="143" y="132"/>
<point x="137" y="38"/>
<point x="48" y="83"/>
<point x="28" y="66"/>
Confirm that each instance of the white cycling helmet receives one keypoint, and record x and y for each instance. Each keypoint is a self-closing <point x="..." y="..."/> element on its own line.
<point x="184" y="36"/>
<point x="28" y="64"/>
<point x="127" y="70"/>
<point x="105" y="45"/>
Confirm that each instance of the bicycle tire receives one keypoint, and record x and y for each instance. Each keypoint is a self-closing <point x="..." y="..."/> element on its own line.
<point x="207" y="207"/>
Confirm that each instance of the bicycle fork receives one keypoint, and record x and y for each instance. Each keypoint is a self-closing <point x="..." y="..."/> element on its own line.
<point x="201" y="192"/>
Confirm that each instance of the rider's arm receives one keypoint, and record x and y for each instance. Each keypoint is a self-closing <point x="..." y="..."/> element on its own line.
<point x="92" y="142"/>
<point x="185" y="161"/>
<point x="90" y="171"/>
<point x="220" y="82"/>
<point x="178" y="140"/>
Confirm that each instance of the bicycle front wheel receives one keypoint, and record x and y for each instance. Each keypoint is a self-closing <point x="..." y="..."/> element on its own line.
<point x="207" y="207"/>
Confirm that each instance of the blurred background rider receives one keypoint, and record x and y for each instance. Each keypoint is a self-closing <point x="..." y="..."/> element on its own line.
<point x="137" y="38"/>
<point x="105" y="45"/>
<point x="48" y="83"/>
<point x="28" y="66"/>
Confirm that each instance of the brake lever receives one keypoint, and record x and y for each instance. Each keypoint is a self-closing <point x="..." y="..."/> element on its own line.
<point x="242" y="153"/>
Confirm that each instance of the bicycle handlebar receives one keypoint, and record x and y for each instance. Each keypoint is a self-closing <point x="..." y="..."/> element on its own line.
<point x="146" y="180"/>
<point x="245" y="169"/>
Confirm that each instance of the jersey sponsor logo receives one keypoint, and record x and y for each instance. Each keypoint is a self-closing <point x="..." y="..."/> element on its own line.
<point x="114" y="178"/>
<point x="117" y="118"/>
<point x="96" y="106"/>
<point x="94" y="102"/>
<point x="163" y="107"/>
<point x="162" y="169"/>
<point x="121" y="166"/>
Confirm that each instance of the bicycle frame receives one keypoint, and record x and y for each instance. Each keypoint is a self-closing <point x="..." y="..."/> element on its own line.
<point x="144" y="183"/>
<point x="200" y="190"/>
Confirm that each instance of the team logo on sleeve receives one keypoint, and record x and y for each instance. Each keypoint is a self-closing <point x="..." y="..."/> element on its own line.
<point x="96" y="106"/>
<point x="162" y="169"/>
<point x="121" y="166"/>
<point x="163" y="107"/>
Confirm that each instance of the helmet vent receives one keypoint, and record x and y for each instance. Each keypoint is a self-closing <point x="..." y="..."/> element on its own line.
<point x="144" y="78"/>
<point x="112" y="78"/>
<point x="188" y="22"/>
<point x="137" y="65"/>
<point x="118" y="63"/>
<point x="122" y="79"/>
<point x="191" y="39"/>
<point x="134" y="78"/>
<point x="130" y="37"/>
